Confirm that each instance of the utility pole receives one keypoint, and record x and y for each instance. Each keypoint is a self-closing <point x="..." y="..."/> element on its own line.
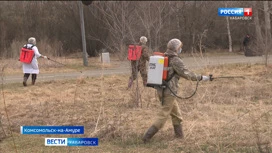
<point x="85" y="55"/>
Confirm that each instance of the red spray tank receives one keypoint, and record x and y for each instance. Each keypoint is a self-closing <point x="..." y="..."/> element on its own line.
<point x="134" y="52"/>
<point x="26" y="55"/>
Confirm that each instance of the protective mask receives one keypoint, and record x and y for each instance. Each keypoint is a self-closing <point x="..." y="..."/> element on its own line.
<point x="179" y="50"/>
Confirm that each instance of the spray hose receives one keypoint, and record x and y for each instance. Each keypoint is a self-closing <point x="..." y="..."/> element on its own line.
<point x="211" y="78"/>
<point x="61" y="64"/>
<point x="55" y="61"/>
<point x="167" y="86"/>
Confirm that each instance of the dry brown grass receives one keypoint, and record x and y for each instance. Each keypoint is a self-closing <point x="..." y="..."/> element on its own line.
<point x="226" y="115"/>
<point x="46" y="66"/>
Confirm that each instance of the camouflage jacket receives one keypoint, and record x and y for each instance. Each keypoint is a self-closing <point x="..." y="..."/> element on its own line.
<point x="145" y="53"/>
<point x="180" y="70"/>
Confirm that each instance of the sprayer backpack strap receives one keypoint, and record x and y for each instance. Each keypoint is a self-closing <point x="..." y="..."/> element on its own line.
<point x="32" y="47"/>
<point x="174" y="73"/>
<point x="165" y="83"/>
<point x="29" y="47"/>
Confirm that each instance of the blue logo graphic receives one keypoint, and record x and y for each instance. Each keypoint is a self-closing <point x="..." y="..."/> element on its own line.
<point x="71" y="141"/>
<point x="55" y="141"/>
<point x="52" y="129"/>
<point x="230" y="11"/>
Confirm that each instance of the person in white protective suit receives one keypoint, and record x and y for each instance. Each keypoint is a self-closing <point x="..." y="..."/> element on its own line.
<point x="32" y="68"/>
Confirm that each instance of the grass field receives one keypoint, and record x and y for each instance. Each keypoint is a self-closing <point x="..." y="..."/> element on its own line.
<point x="13" y="66"/>
<point x="226" y="115"/>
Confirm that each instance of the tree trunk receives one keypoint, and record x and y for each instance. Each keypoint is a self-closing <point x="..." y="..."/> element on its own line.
<point x="194" y="28"/>
<point x="229" y="35"/>
<point x="200" y="45"/>
<point x="228" y="29"/>
<point x="193" y="45"/>
<point x="260" y="41"/>
<point x="267" y="31"/>
<point x="178" y="20"/>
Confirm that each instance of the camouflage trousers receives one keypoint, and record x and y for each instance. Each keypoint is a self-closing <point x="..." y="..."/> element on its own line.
<point x="169" y="108"/>
<point x="137" y="66"/>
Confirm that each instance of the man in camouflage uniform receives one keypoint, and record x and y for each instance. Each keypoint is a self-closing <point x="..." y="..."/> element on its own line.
<point x="170" y="105"/>
<point x="140" y="65"/>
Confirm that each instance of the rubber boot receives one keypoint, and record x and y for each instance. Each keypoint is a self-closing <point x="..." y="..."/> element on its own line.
<point x="150" y="133"/>
<point x="178" y="131"/>
<point x="130" y="81"/>
<point x="144" y="83"/>
<point x="33" y="81"/>
<point x="24" y="82"/>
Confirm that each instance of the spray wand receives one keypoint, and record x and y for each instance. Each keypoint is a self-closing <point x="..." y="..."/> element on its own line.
<point x="211" y="79"/>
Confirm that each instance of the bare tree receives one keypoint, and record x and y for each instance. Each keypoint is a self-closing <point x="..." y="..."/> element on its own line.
<point x="259" y="36"/>
<point x="119" y="19"/>
<point x="202" y="35"/>
<point x="228" y="29"/>
<point x="154" y="18"/>
<point x="115" y="24"/>
<point x="267" y="31"/>
<point x="194" y="27"/>
<point x="203" y="25"/>
<point x="229" y="34"/>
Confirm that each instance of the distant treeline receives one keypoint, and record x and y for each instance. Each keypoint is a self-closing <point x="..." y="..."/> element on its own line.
<point x="115" y="24"/>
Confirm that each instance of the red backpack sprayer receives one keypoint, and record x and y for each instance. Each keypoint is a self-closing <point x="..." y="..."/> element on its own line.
<point x="27" y="54"/>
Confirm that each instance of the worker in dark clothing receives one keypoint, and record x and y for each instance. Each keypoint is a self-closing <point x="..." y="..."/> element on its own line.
<point x="246" y="40"/>
<point x="247" y="50"/>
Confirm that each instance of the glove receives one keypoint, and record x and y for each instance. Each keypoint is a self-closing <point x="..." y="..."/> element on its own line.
<point x="207" y="78"/>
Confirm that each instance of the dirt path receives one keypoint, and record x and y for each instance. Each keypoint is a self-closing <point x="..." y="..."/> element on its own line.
<point x="124" y="68"/>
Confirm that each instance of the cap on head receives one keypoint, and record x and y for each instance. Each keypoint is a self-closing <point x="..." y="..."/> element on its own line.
<point x="32" y="40"/>
<point x="174" y="44"/>
<point x="143" y="39"/>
